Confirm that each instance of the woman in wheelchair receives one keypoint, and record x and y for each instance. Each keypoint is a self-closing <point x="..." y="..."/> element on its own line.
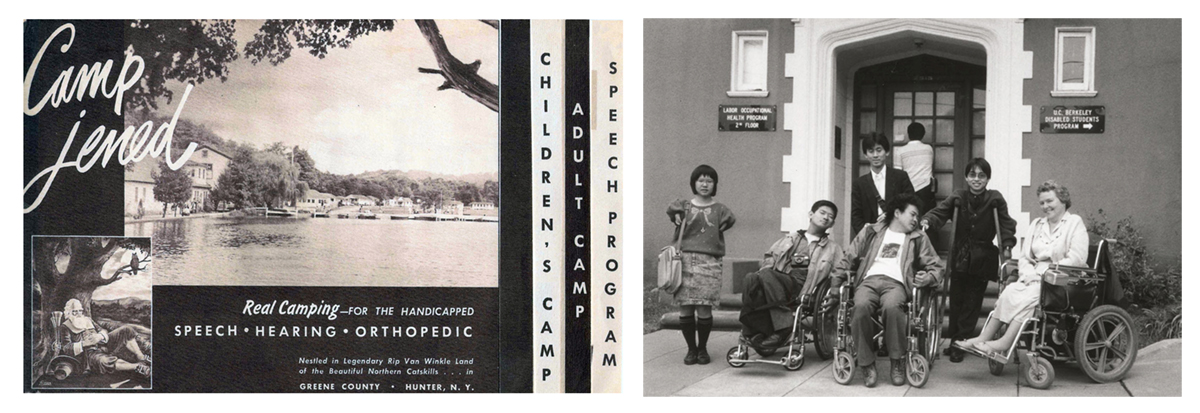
<point x="789" y="275"/>
<point x="1057" y="238"/>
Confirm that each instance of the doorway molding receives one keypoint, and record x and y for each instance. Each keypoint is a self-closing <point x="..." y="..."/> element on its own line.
<point x="811" y="116"/>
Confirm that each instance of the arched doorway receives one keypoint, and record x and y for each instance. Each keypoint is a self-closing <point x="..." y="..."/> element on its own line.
<point x="947" y="97"/>
<point x="824" y="115"/>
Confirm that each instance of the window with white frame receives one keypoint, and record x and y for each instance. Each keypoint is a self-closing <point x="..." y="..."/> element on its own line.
<point x="1074" y="62"/>
<point x="748" y="77"/>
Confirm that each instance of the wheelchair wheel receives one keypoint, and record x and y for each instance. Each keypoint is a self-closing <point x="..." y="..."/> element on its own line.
<point x="736" y="357"/>
<point x="917" y="370"/>
<point x="1039" y="374"/>
<point x="843" y="367"/>
<point x="995" y="367"/>
<point x="794" y="361"/>
<point x="824" y="327"/>
<point x="935" y="316"/>
<point x="1106" y="343"/>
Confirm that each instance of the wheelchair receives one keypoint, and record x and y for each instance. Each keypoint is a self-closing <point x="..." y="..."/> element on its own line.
<point x="810" y="324"/>
<point x="925" y="310"/>
<point x="1077" y="319"/>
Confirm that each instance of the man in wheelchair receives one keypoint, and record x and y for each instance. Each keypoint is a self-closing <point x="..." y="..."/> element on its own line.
<point x="888" y="259"/>
<point x="789" y="274"/>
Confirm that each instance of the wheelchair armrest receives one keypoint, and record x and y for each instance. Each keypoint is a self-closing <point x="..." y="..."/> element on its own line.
<point x="1009" y="272"/>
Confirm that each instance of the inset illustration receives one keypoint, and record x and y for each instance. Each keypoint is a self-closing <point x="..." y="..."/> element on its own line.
<point x="92" y="313"/>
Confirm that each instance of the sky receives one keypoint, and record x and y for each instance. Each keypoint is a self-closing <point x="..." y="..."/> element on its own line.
<point x="129" y="285"/>
<point x="359" y="109"/>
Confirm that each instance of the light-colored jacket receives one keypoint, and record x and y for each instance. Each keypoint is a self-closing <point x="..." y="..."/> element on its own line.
<point x="919" y="255"/>
<point x="821" y="262"/>
<point x="1068" y="246"/>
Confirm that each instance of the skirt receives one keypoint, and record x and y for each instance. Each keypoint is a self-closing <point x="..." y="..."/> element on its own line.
<point x="1017" y="302"/>
<point x="701" y="280"/>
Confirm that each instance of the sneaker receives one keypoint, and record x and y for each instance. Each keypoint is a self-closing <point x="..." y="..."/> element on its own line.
<point x="702" y="356"/>
<point x="690" y="358"/>
<point x="869" y="375"/>
<point x="898" y="372"/>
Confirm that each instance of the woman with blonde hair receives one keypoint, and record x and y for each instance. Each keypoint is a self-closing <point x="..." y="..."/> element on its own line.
<point x="1059" y="237"/>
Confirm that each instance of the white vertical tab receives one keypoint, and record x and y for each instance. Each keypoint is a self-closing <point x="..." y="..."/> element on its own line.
<point x="606" y="189"/>
<point x="546" y="45"/>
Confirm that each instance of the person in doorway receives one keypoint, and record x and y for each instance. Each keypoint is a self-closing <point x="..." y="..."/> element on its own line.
<point x="794" y="266"/>
<point x="893" y="256"/>
<point x="976" y="257"/>
<point x="915" y="158"/>
<point x="703" y="222"/>
<point x="870" y="193"/>
<point x="1059" y="237"/>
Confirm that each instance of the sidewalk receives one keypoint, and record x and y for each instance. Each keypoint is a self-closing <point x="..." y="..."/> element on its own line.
<point x="1157" y="372"/>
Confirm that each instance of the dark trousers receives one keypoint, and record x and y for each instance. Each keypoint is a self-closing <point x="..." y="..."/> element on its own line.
<point x="926" y="196"/>
<point x="764" y="301"/>
<point x="966" y="298"/>
<point x="879" y="293"/>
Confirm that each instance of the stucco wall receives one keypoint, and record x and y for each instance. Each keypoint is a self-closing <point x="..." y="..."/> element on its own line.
<point x="1134" y="167"/>
<point x="686" y="75"/>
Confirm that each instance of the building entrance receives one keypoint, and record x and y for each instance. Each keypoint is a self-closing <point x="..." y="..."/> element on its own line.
<point x="944" y="95"/>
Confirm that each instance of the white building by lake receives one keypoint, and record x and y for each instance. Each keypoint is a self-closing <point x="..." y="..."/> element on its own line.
<point x="205" y="166"/>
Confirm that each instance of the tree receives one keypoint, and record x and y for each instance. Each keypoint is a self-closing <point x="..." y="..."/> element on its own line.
<point x="189" y="51"/>
<point x="467" y="194"/>
<point x="196" y="50"/>
<point x="172" y="187"/>
<point x="275" y="179"/>
<point x="491" y="192"/>
<point x="234" y="187"/>
<point x="70" y="267"/>
<point x="463" y="77"/>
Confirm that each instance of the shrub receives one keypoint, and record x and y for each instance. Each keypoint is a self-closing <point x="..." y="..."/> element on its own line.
<point x="1144" y="285"/>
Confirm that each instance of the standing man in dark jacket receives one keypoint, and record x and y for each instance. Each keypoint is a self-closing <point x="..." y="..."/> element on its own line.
<point x="976" y="257"/>
<point x="872" y="191"/>
<point x="892" y="257"/>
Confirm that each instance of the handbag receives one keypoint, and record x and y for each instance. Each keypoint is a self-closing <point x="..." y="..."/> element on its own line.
<point x="670" y="264"/>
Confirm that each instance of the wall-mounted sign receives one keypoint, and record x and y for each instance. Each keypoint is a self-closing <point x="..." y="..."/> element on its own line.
<point x="1072" y="119"/>
<point x="746" y="118"/>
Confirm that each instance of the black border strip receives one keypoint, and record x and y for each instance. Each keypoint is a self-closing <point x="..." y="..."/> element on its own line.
<point x="578" y="351"/>
<point x="516" y="282"/>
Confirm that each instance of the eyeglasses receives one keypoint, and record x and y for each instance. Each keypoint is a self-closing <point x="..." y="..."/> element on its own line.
<point x="973" y="175"/>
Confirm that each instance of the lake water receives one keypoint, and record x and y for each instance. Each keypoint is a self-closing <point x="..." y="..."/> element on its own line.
<point x="321" y="252"/>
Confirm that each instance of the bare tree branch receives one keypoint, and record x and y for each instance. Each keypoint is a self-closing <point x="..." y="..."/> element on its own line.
<point x="463" y="77"/>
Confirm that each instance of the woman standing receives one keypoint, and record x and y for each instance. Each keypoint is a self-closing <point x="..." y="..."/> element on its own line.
<point x="704" y="222"/>
<point x="1057" y="238"/>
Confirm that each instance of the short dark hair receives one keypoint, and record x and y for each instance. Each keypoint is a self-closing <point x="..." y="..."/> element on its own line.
<point x="916" y="131"/>
<point x="701" y="171"/>
<point x="825" y="203"/>
<point x="981" y="163"/>
<point x="900" y="202"/>
<point x="1059" y="191"/>
<point x="875" y="138"/>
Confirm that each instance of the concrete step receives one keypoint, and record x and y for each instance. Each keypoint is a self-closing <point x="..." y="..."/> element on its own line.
<point x="726" y="320"/>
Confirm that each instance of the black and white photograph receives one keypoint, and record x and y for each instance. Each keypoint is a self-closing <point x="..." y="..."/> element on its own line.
<point x="912" y="207"/>
<point x="92" y="313"/>
<point x="331" y="153"/>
